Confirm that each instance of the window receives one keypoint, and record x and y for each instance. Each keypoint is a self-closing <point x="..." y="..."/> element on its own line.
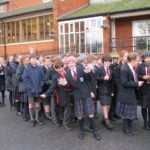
<point x="46" y="1"/>
<point x="141" y="34"/>
<point x="31" y="29"/>
<point x="101" y="1"/>
<point x="3" y="8"/>
<point x="81" y="36"/>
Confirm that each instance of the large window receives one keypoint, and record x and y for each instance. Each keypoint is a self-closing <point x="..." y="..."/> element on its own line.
<point x="141" y="32"/>
<point x="81" y="36"/>
<point x="26" y="30"/>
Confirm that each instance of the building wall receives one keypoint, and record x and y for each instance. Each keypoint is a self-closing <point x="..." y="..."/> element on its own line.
<point x="62" y="8"/>
<point x="16" y="4"/>
<point x="23" y="48"/>
<point x="123" y="28"/>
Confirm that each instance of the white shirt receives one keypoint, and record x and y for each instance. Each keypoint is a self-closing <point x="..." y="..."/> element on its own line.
<point x="133" y="71"/>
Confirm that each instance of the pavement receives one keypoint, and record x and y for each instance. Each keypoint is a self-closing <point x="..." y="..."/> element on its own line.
<point x="16" y="134"/>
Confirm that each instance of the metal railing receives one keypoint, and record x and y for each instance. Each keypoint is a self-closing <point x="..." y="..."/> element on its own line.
<point x="131" y="43"/>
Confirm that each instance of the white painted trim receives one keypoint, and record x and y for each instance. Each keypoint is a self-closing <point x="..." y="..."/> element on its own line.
<point x="27" y="16"/>
<point x="78" y="20"/>
<point x="130" y="14"/>
<point x="25" y="43"/>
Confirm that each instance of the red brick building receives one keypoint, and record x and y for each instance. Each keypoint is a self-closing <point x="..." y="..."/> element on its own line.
<point x="83" y="26"/>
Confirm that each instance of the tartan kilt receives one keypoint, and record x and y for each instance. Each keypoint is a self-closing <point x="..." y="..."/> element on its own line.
<point x="84" y="107"/>
<point x="126" y="111"/>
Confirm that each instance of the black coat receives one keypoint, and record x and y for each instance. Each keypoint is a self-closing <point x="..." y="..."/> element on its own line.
<point x="19" y="73"/>
<point x="62" y="93"/>
<point x="81" y="87"/>
<point x="10" y="76"/>
<point x="2" y="78"/>
<point x="105" y="87"/>
<point x="128" y="85"/>
<point x="144" y="90"/>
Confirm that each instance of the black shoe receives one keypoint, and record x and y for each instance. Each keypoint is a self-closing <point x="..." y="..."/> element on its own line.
<point x="48" y="117"/>
<point x="133" y="132"/>
<point x="117" y="117"/>
<point x="39" y="122"/>
<point x="112" y="118"/>
<point x="128" y="132"/>
<point x="67" y="128"/>
<point x="96" y="136"/>
<point x="108" y="125"/>
<point x="146" y="126"/>
<point x="81" y="135"/>
<point x="19" y="113"/>
<point x="57" y="124"/>
<point x="88" y="129"/>
<point x="26" y="119"/>
<point x="32" y="123"/>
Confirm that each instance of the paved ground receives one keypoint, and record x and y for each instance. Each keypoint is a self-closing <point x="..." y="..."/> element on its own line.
<point x="16" y="134"/>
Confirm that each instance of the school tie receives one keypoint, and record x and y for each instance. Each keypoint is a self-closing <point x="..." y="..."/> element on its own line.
<point x="107" y="71"/>
<point x="74" y="75"/>
<point x="135" y="74"/>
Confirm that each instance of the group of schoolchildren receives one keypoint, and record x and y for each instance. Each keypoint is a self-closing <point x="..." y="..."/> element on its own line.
<point x="66" y="90"/>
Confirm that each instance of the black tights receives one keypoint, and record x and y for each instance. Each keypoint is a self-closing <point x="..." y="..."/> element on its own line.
<point x="146" y="114"/>
<point x="3" y="97"/>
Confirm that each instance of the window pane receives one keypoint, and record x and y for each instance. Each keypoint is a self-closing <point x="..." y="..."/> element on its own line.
<point x="82" y="43"/>
<point x="17" y="31"/>
<point x="76" y="26"/>
<point x="61" y="29"/>
<point x="29" y="29"/>
<point x="71" y="27"/>
<point x="62" y="40"/>
<point x="34" y="29"/>
<point x="13" y="37"/>
<point x="24" y="30"/>
<point x="8" y="36"/>
<point x="82" y="26"/>
<point x="47" y="27"/>
<point x="66" y="28"/>
<point x="77" y="44"/>
<point x="41" y="28"/>
<point x="72" y="45"/>
<point x="66" y="43"/>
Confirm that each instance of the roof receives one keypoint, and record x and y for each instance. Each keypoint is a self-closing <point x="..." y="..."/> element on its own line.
<point x="27" y="10"/>
<point x="4" y="1"/>
<point x="108" y="8"/>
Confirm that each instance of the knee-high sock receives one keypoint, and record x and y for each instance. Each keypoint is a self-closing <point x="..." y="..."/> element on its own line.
<point x="149" y="115"/>
<point x="37" y="113"/>
<point x="31" y="113"/>
<point x="3" y="97"/>
<point x="26" y="110"/>
<point x="10" y="98"/>
<point x="93" y="124"/>
<point x="18" y="106"/>
<point x="125" y="124"/>
<point x="81" y="124"/>
<point x="130" y="124"/>
<point x="144" y="115"/>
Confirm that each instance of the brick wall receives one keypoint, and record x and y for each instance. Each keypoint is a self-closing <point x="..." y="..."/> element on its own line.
<point x="124" y="28"/>
<point x="64" y="7"/>
<point x="16" y="4"/>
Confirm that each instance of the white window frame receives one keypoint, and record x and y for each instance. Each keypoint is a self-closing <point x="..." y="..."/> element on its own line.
<point x="134" y="32"/>
<point x="73" y="22"/>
